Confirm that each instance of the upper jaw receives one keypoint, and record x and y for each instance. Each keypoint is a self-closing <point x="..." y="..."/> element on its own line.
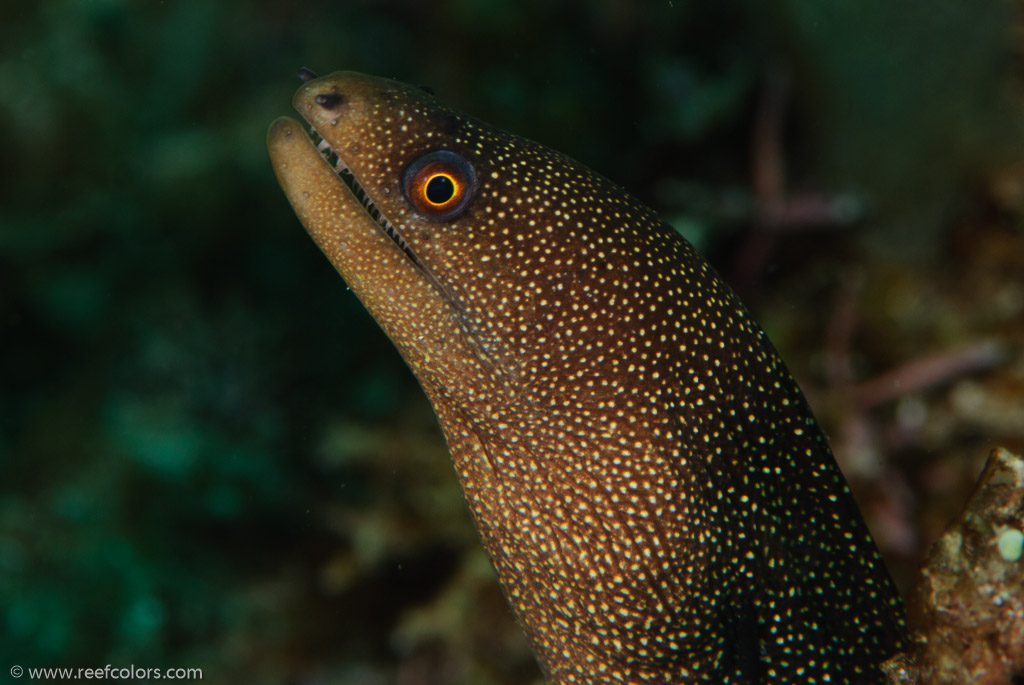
<point x="326" y="103"/>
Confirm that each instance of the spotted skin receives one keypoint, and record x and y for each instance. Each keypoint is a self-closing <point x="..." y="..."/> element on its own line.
<point x="653" y="491"/>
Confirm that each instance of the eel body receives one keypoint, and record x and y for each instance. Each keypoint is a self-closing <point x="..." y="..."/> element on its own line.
<point x="657" y="500"/>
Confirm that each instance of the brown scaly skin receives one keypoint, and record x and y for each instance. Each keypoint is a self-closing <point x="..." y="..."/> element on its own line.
<point x="652" y="489"/>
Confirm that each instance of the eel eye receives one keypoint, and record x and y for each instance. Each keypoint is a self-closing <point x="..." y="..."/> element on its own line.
<point x="439" y="184"/>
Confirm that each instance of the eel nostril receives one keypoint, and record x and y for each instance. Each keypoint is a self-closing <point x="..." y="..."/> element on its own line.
<point x="330" y="100"/>
<point x="306" y="75"/>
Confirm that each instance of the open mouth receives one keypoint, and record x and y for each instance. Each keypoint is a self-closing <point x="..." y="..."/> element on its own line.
<point x="346" y="177"/>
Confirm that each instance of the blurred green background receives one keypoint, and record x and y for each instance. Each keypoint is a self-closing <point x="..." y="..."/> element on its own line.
<point x="211" y="457"/>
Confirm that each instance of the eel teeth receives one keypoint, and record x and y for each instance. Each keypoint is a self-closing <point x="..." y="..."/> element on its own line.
<point x="346" y="176"/>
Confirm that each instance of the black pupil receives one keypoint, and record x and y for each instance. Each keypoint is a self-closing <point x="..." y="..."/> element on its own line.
<point x="440" y="189"/>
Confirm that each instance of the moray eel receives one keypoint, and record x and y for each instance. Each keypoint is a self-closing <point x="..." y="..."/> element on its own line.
<point x="657" y="500"/>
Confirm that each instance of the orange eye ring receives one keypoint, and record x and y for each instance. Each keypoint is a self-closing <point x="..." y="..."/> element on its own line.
<point x="439" y="184"/>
